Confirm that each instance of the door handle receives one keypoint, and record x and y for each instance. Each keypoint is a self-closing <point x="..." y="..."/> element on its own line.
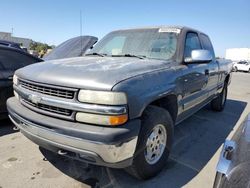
<point x="206" y="72"/>
<point x="10" y="78"/>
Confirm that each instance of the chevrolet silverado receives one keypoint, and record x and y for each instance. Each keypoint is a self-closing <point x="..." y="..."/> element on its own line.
<point x="118" y="105"/>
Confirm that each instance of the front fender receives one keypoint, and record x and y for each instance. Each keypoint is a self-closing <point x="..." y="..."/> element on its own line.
<point x="144" y="89"/>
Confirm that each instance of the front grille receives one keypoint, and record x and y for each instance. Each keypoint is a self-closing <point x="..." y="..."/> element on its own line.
<point x="62" y="93"/>
<point x="48" y="108"/>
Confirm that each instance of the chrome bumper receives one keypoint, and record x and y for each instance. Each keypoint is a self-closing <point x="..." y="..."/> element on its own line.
<point x="114" y="153"/>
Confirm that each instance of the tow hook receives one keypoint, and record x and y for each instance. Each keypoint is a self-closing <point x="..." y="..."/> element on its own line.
<point x="15" y="128"/>
<point x="62" y="152"/>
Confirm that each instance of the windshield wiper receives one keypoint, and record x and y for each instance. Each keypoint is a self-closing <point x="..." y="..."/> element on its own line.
<point x="130" y="55"/>
<point x="94" y="53"/>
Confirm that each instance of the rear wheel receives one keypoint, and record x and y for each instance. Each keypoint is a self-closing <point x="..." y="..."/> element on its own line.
<point x="219" y="102"/>
<point x="154" y="143"/>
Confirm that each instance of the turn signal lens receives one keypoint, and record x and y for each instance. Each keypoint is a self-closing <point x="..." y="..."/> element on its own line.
<point x="118" y="120"/>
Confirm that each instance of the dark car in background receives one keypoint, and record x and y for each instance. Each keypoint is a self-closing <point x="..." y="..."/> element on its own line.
<point x="11" y="59"/>
<point x="10" y="44"/>
<point x="233" y="168"/>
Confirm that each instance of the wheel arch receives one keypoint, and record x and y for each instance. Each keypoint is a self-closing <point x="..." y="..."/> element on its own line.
<point x="169" y="103"/>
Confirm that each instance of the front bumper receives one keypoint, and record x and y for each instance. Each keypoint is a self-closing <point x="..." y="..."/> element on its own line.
<point x="105" y="146"/>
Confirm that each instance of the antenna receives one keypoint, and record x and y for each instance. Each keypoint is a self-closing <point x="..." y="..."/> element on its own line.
<point x="81" y="29"/>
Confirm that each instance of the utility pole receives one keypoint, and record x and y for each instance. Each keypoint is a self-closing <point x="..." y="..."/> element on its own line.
<point x="81" y="29"/>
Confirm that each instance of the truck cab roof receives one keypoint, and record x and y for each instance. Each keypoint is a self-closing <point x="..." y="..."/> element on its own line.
<point x="163" y="27"/>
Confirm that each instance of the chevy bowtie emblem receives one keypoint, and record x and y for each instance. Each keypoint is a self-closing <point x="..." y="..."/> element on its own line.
<point x="34" y="99"/>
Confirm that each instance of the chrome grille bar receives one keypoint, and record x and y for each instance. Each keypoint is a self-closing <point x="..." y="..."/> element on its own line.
<point x="52" y="109"/>
<point x="62" y="93"/>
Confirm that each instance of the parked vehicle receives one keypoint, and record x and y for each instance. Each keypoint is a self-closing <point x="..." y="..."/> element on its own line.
<point x="118" y="105"/>
<point x="10" y="44"/>
<point x="73" y="47"/>
<point x="234" y="164"/>
<point x="11" y="59"/>
<point x="34" y="53"/>
<point x="242" y="66"/>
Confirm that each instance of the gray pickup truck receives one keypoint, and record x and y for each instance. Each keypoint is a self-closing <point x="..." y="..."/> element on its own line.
<point x="117" y="106"/>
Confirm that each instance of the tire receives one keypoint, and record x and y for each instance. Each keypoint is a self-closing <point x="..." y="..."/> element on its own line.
<point x="153" y="119"/>
<point x="235" y="69"/>
<point x="218" y="104"/>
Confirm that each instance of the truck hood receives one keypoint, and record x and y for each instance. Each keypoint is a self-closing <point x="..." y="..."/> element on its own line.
<point x="89" y="72"/>
<point x="73" y="47"/>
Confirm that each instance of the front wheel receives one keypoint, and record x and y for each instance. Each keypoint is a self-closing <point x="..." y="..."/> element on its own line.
<point x="219" y="102"/>
<point x="154" y="143"/>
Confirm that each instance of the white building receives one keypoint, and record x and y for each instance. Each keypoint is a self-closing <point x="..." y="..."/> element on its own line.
<point x="238" y="54"/>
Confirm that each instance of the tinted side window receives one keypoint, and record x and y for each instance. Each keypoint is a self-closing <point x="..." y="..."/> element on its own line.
<point x="207" y="45"/>
<point x="13" y="60"/>
<point x="192" y="43"/>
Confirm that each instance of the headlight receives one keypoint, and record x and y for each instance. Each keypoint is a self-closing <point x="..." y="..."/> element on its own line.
<point x="15" y="80"/>
<point x="102" y="97"/>
<point x="101" y="119"/>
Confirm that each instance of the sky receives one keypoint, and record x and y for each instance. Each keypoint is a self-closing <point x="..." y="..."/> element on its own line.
<point x="227" y="22"/>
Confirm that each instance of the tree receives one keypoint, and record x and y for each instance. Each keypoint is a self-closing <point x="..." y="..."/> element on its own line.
<point x="38" y="46"/>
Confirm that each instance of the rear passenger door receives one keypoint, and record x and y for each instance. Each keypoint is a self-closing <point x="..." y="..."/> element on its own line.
<point x="213" y="66"/>
<point x="194" y="79"/>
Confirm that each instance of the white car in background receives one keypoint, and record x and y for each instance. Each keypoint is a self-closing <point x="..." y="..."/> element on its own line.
<point x="242" y="66"/>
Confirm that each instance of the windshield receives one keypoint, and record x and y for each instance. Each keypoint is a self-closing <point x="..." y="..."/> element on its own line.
<point x="149" y="43"/>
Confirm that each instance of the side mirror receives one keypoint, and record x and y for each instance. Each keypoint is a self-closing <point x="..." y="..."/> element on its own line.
<point x="199" y="56"/>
